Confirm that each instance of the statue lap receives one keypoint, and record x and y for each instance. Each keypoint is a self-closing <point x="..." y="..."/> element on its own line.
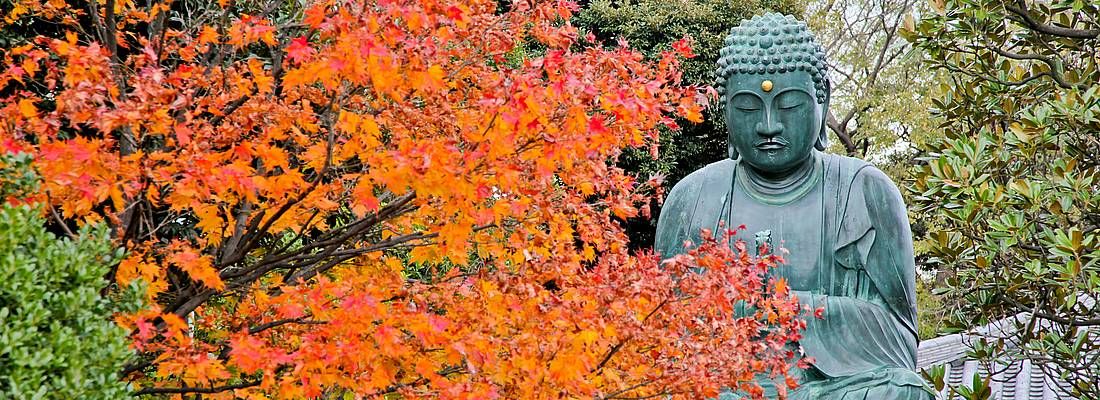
<point x="887" y="383"/>
<point x="884" y="384"/>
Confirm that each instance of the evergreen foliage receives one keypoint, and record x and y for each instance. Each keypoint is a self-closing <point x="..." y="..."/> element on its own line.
<point x="57" y="340"/>
<point x="1010" y="190"/>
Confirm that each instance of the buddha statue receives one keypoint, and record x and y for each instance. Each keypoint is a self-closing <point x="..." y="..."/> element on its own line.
<point x="842" y="219"/>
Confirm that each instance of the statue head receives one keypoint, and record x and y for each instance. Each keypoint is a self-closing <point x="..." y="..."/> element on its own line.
<point x="773" y="83"/>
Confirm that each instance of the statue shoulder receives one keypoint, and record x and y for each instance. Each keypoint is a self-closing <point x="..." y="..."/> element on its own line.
<point x="876" y="182"/>
<point x="678" y="221"/>
<point x="690" y="185"/>
<point x="866" y="176"/>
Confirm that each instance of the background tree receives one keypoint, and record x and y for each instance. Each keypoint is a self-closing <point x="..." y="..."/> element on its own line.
<point x="651" y="27"/>
<point x="879" y="85"/>
<point x="1011" y="188"/>
<point x="58" y="341"/>
<point x="358" y="198"/>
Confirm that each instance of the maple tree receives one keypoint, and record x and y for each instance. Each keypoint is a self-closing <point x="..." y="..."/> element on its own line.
<point x="366" y="198"/>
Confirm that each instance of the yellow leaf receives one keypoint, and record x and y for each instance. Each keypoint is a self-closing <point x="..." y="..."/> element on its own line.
<point x="435" y="72"/>
<point x="198" y="267"/>
<point x="586" y="337"/>
<point x="26" y="107"/>
<point x="210" y="222"/>
<point x="133" y="268"/>
<point x="371" y="130"/>
<point x="422" y="254"/>
<point x="909" y="24"/>
<point x="781" y="285"/>
<point x="116" y="198"/>
<point x="586" y="188"/>
<point x="939" y="5"/>
<point x="588" y="254"/>
<point x="1020" y="132"/>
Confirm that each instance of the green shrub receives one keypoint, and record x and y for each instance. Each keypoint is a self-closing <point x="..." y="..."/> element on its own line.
<point x="930" y="310"/>
<point x="1010" y="189"/>
<point x="57" y="340"/>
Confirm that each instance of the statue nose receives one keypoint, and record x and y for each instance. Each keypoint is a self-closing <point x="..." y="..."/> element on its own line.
<point x="769" y="128"/>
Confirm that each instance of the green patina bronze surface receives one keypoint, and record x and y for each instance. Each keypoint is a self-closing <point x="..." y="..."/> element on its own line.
<point x="842" y="219"/>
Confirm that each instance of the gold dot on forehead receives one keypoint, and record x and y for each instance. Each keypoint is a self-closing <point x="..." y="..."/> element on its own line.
<point x="766" y="85"/>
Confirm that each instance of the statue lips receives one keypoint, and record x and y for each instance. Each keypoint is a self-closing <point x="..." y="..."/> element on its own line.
<point x="771" y="144"/>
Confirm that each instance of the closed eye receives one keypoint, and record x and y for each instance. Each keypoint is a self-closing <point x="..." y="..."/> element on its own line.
<point x="746" y="102"/>
<point x="791" y="99"/>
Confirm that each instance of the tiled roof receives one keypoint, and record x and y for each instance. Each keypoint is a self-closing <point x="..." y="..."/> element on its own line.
<point x="950" y="348"/>
<point x="1018" y="380"/>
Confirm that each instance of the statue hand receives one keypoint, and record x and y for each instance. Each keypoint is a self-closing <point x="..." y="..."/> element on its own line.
<point x="804" y="296"/>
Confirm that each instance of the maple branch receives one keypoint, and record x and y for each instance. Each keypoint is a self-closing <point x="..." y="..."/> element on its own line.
<point x="202" y="390"/>
<point x="445" y="372"/>
<point x="615" y="349"/>
<point x="326" y="243"/>
<point x="304" y="320"/>
<point x="339" y="256"/>
<point x="255" y="231"/>
<point x="57" y="218"/>
<point x="106" y="29"/>
<point x="383" y="245"/>
<point x="222" y="50"/>
<point x="156" y="29"/>
<point x="229" y="109"/>
<point x="135" y="366"/>
<point x="617" y="394"/>
<point x="297" y="235"/>
<point x="249" y="233"/>
<point x="93" y="13"/>
<point x="239" y="226"/>
<point x="110" y="26"/>
<point x="329" y="248"/>
<point x="255" y="235"/>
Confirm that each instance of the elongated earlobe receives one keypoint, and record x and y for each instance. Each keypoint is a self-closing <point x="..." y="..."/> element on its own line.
<point x="729" y="128"/>
<point x="823" y="136"/>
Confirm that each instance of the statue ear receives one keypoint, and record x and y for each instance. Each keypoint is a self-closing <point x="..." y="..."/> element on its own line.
<point x="729" y="130"/>
<point x="823" y="136"/>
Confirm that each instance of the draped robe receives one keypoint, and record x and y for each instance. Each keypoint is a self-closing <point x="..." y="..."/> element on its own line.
<point x="851" y="253"/>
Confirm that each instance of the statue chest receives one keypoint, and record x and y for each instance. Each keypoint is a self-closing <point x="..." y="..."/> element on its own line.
<point x="796" y="226"/>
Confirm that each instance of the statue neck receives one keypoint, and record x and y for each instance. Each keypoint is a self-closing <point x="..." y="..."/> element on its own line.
<point x="783" y="187"/>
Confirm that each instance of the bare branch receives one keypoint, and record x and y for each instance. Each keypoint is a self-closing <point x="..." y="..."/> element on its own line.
<point x="202" y="390"/>
<point x="1021" y="10"/>
<point x="841" y="132"/>
<point x="300" y="320"/>
<point x="1056" y="69"/>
